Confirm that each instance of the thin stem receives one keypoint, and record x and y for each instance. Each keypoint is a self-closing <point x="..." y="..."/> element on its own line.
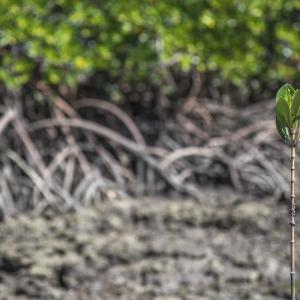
<point x="293" y="212"/>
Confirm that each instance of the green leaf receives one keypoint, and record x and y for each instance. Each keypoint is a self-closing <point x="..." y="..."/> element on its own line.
<point x="295" y="103"/>
<point x="298" y="127"/>
<point x="283" y="113"/>
<point x="286" y="93"/>
<point x="282" y="130"/>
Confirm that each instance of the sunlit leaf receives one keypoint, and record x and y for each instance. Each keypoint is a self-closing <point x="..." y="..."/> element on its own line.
<point x="295" y="103"/>
<point x="283" y="113"/>
<point x="285" y="92"/>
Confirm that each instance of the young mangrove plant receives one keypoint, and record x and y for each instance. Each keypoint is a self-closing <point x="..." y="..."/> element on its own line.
<point x="288" y="123"/>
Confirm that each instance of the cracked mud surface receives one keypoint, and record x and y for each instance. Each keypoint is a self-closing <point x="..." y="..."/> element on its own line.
<point x="220" y="247"/>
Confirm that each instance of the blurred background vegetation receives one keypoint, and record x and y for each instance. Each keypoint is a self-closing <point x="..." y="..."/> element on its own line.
<point x="242" y="46"/>
<point x="177" y="74"/>
<point x="166" y="109"/>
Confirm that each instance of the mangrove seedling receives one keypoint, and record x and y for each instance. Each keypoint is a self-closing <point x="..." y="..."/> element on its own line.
<point x="288" y="123"/>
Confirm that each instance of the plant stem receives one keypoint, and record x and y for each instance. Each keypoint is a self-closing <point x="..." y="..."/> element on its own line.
<point x="293" y="212"/>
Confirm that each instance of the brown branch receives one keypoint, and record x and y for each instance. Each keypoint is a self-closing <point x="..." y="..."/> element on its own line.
<point x="6" y="119"/>
<point x="185" y="152"/>
<point x="69" y="174"/>
<point x="72" y="142"/>
<point x="93" y="127"/>
<point x="117" y="112"/>
<point x="36" y="179"/>
<point x="133" y="147"/>
<point x="25" y="138"/>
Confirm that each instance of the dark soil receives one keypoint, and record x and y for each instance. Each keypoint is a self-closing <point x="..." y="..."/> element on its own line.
<point x="220" y="247"/>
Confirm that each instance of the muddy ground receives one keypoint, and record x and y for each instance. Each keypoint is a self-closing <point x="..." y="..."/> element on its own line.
<point x="218" y="248"/>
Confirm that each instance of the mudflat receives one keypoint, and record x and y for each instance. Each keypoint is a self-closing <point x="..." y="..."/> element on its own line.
<point x="219" y="247"/>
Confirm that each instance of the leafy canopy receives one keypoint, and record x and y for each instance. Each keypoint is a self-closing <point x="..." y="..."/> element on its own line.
<point x="287" y="110"/>
<point x="65" y="41"/>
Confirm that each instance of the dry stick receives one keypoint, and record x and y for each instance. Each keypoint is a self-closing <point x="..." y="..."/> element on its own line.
<point x="293" y="212"/>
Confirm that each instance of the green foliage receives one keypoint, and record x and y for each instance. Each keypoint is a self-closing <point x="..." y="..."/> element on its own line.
<point x="287" y="111"/>
<point x="295" y="104"/>
<point x="285" y="92"/>
<point x="283" y="112"/>
<point x="282" y="130"/>
<point x="63" y="42"/>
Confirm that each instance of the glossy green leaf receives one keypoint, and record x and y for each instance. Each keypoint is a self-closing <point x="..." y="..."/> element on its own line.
<point x="283" y="131"/>
<point x="283" y="113"/>
<point x="286" y="93"/>
<point x="295" y="103"/>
